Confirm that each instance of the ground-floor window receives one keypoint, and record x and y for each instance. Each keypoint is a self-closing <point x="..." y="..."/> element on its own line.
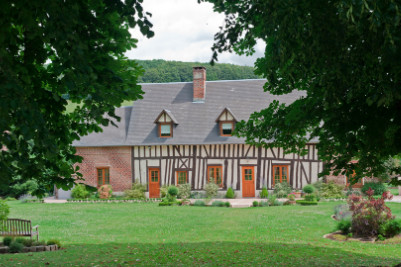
<point x="182" y="177"/>
<point x="215" y="173"/>
<point x="280" y="174"/>
<point x="103" y="176"/>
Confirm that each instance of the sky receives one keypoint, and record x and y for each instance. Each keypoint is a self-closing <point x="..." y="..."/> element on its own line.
<point x="184" y="31"/>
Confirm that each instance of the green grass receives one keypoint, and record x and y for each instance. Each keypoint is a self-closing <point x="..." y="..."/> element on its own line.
<point x="394" y="191"/>
<point x="71" y="106"/>
<point x="115" y="234"/>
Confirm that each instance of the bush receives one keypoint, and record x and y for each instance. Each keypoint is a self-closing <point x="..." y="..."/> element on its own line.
<point x="342" y="212"/>
<point x="390" y="228"/>
<point x="211" y="189"/>
<point x="264" y="193"/>
<point x="306" y="202"/>
<point x="197" y="195"/>
<point x="263" y="204"/>
<point x="172" y="190"/>
<point x="255" y="204"/>
<point x="165" y="203"/>
<point x="54" y="242"/>
<point x="331" y="190"/>
<point x="353" y="192"/>
<point x="16" y="247"/>
<point x="230" y="193"/>
<point x="39" y="243"/>
<point x="309" y="189"/>
<point x="227" y="204"/>
<point x="271" y="200"/>
<point x="199" y="203"/>
<point x="80" y="192"/>
<point x="310" y="197"/>
<point x="137" y="191"/>
<point x="378" y="188"/>
<point x="218" y="203"/>
<point x="291" y="197"/>
<point x="105" y="191"/>
<point x="4" y="210"/>
<point x="28" y="242"/>
<point x="369" y="215"/>
<point x="184" y="191"/>
<point x="281" y="190"/>
<point x="20" y="240"/>
<point x="344" y="226"/>
<point x="7" y="240"/>
<point x="163" y="191"/>
<point x="276" y="202"/>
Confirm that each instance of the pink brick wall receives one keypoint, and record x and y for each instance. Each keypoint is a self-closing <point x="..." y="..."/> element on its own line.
<point x="117" y="159"/>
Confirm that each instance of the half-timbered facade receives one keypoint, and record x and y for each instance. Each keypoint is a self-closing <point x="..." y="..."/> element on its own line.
<point x="181" y="133"/>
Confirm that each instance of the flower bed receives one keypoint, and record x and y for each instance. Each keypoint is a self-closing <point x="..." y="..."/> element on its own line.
<point x="5" y="249"/>
<point x="113" y="200"/>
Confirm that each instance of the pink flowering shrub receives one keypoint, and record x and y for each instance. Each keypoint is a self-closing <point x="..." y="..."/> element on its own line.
<point x="368" y="215"/>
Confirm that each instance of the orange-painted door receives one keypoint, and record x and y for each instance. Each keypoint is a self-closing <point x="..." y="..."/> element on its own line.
<point x="154" y="183"/>
<point x="248" y="181"/>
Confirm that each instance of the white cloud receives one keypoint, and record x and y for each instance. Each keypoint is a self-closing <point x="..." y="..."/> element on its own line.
<point x="184" y="31"/>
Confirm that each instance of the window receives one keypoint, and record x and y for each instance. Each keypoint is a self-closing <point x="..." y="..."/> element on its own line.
<point x="226" y="128"/>
<point x="280" y="174"/>
<point x="182" y="177"/>
<point x="165" y="130"/>
<point x="103" y="176"/>
<point x="214" y="173"/>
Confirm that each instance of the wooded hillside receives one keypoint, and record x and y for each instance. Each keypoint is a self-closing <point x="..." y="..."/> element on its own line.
<point x="161" y="71"/>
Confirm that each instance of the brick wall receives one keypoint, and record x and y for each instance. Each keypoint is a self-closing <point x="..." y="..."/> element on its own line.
<point x="117" y="159"/>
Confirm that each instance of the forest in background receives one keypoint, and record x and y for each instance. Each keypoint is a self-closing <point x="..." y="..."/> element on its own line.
<point x="162" y="71"/>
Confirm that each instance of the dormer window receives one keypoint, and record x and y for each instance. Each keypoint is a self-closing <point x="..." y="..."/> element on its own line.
<point x="165" y="122"/>
<point x="226" y="121"/>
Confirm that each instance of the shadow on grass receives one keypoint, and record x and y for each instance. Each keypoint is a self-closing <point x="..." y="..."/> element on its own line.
<point x="203" y="253"/>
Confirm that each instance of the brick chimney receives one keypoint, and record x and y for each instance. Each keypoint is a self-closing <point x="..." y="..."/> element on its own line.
<point x="199" y="84"/>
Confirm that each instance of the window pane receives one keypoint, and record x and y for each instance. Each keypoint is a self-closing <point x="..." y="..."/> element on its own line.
<point x="284" y="176"/>
<point x="106" y="176"/>
<point x="182" y="177"/>
<point x="99" y="176"/>
<point x="165" y="129"/>
<point x="227" y="128"/>
<point x="211" y="175"/>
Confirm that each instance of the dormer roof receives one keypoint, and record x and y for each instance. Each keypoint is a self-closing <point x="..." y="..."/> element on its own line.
<point x="226" y="115"/>
<point x="166" y="116"/>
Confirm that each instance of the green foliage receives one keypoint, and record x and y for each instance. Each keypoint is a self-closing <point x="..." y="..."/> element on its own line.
<point x="255" y="203"/>
<point x="227" y="204"/>
<point x="79" y="192"/>
<point x="309" y="189"/>
<point x="16" y="247"/>
<point x="344" y="226"/>
<point x="211" y="189"/>
<point x="199" y="203"/>
<point x="390" y="228"/>
<point x="165" y="203"/>
<point x="281" y="190"/>
<point x="163" y="191"/>
<point x="378" y="188"/>
<point x="264" y="193"/>
<point x="218" y="203"/>
<point x="331" y="190"/>
<point x="184" y="191"/>
<point x="271" y="200"/>
<point x="7" y="240"/>
<point x="39" y="243"/>
<point x="291" y="197"/>
<point x="318" y="47"/>
<point x="310" y="197"/>
<point x="263" y="203"/>
<point x="163" y="71"/>
<point x="4" y="210"/>
<point x="20" y="240"/>
<point x="172" y="190"/>
<point x="28" y="242"/>
<point x="54" y="242"/>
<point x="230" y="193"/>
<point x="306" y="202"/>
<point x="381" y="238"/>
<point x="136" y="192"/>
<point x="44" y="62"/>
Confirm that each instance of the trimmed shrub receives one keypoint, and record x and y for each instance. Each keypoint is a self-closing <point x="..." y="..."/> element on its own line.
<point x="331" y="190"/>
<point x="281" y="190"/>
<point x="211" y="189"/>
<point x="309" y="189"/>
<point x="105" y="191"/>
<point x="344" y="226"/>
<point x="7" y="240"/>
<point x="184" y="191"/>
<point x="172" y="190"/>
<point x="378" y="188"/>
<point x="390" y="228"/>
<point x="165" y="203"/>
<point x="227" y="204"/>
<point x="264" y="193"/>
<point x="16" y="247"/>
<point x="4" y="210"/>
<point x="54" y="242"/>
<point x="80" y="192"/>
<point x="230" y="193"/>
<point x="369" y="215"/>
<point x="255" y="204"/>
<point x="199" y="203"/>
<point x="218" y="203"/>
<point x="310" y="197"/>
<point x="306" y="202"/>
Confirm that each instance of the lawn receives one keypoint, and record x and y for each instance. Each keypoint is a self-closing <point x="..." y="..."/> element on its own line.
<point x="71" y="106"/>
<point x="115" y="234"/>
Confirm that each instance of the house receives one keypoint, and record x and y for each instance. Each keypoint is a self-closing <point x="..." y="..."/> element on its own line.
<point x="182" y="133"/>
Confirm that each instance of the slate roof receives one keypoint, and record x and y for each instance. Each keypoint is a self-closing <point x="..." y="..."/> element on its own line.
<point x="197" y="121"/>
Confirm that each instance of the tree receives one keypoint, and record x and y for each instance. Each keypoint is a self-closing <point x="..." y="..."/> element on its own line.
<point x="51" y="51"/>
<point x="345" y="55"/>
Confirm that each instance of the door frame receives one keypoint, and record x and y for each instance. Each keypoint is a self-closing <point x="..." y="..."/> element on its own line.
<point x="149" y="180"/>
<point x="252" y="167"/>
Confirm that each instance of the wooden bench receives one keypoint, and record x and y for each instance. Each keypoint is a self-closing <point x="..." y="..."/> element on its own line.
<point x="19" y="227"/>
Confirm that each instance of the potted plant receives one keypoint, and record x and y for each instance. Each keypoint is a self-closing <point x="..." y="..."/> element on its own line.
<point x="291" y="199"/>
<point x="297" y="194"/>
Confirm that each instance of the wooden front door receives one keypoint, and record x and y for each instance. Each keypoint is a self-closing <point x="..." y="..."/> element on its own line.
<point x="248" y="181"/>
<point x="154" y="182"/>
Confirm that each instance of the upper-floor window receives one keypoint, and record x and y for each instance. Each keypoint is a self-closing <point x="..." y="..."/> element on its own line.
<point x="165" y="123"/>
<point x="226" y="121"/>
